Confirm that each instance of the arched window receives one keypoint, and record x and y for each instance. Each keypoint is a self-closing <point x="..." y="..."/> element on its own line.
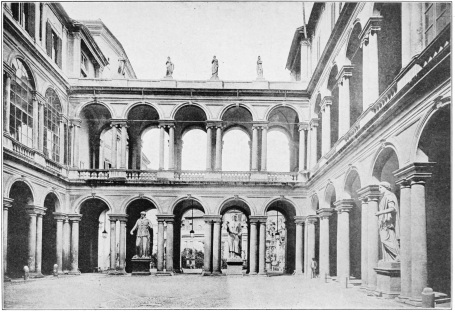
<point x="236" y="150"/>
<point x="21" y="113"/>
<point x="52" y="111"/>
<point x="194" y="150"/>
<point x="278" y="158"/>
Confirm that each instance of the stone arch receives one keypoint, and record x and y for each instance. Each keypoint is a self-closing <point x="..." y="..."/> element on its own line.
<point x="81" y="108"/>
<point x="222" y="207"/>
<point x="353" y="42"/>
<point x="17" y="56"/>
<point x="314" y="202"/>
<point x="246" y="106"/>
<point x="316" y="108"/>
<point x="351" y="174"/>
<point x="329" y="193"/>
<point x="275" y="199"/>
<point x="78" y="203"/>
<point x="129" y="107"/>
<point x="176" y="108"/>
<point x="25" y="180"/>
<point x="383" y="154"/>
<point x="129" y="200"/>
<point x="197" y="199"/>
<point x="273" y="107"/>
<point x="58" y="207"/>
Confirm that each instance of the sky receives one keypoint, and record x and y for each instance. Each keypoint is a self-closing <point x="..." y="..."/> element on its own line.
<point x="191" y="33"/>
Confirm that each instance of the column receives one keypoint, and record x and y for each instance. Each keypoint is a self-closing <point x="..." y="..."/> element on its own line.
<point x="208" y="160"/>
<point x="262" y="223"/>
<point x="311" y="220"/>
<point x="113" y="242"/>
<point x="302" y="129"/>
<point x="122" y="243"/>
<point x="75" y="142"/>
<point x="344" y="100"/>
<point x="123" y="142"/>
<point x="171" y="147"/>
<point x="170" y="244"/>
<point x="326" y="143"/>
<point x="41" y="126"/>
<point x="253" y="246"/>
<point x="412" y="31"/>
<point x="114" y="146"/>
<point x="305" y="66"/>
<point x="299" y="221"/>
<point x="66" y="245"/>
<point x="31" y="211"/>
<point x="75" y="218"/>
<point x="160" y="265"/>
<point x="217" y="245"/>
<point x="207" y="246"/>
<point x="7" y="104"/>
<point x="324" y="261"/>
<point x="7" y="203"/>
<point x="254" y="150"/>
<point x="36" y="140"/>
<point x="39" y="241"/>
<point x="62" y="139"/>
<point x="313" y="143"/>
<point x="161" y="160"/>
<point x="101" y="155"/>
<point x="364" y="243"/>
<point x="369" y="43"/>
<point x="264" y="149"/>
<point x="59" y="240"/>
<point x="343" y="207"/>
<point x="219" y="147"/>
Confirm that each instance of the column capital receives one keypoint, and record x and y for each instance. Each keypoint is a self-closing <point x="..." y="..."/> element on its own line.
<point x="369" y="193"/>
<point x="35" y="210"/>
<point x="324" y="213"/>
<point x="120" y="217"/>
<point x="311" y="219"/>
<point x="59" y="216"/>
<point x="165" y="217"/>
<point x="75" y="217"/>
<point x="373" y="26"/>
<point x="314" y="123"/>
<point x="305" y="42"/>
<point x="344" y="205"/>
<point x="118" y="122"/>
<point x="300" y="219"/>
<point x="415" y="172"/>
<point x="344" y="73"/>
<point x="326" y="101"/>
<point x="38" y="97"/>
<point x="210" y="124"/>
<point x="261" y="125"/>
<point x="75" y="122"/>
<point x="256" y="219"/>
<point x="7" y="203"/>
<point x="304" y="125"/>
<point x="8" y="70"/>
<point x="166" y="123"/>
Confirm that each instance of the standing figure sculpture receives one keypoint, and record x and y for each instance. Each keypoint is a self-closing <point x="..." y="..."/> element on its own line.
<point x="214" y="69"/>
<point x="143" y="236"/>
<point x="259" y="69"/>
<point x="234" y="229"/>
<point x="169" y="68"/>
<point x="122" y="64"/>
<point x="388" y="222"/>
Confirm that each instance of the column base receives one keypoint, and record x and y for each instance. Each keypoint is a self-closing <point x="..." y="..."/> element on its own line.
<point x="164" y="273"/>
<point x="298" y="273"/>
<point x="218" y="274"/>
<point x="263" y="274"/>
<point x="76" y="272"/>
<point x="206" y="273"/>
<point x="36" y="275"/>
<point x="118" y="272"/>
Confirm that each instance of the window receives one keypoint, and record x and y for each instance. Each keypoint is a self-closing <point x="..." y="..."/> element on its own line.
<point x="21" y="114"/>
<point x="84" y="65"/>
<point x="24" y="13"/>
<point x="53" y="45"/>
<point x="52" y="110"/>
<point x="437" y="16"/>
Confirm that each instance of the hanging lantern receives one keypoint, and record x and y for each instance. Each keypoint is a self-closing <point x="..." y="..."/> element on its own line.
<point x="192" y="220"/>
<point x="104" y="231"/>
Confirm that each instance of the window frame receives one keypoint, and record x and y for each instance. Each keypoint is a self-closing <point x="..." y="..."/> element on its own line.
<point x="52" y="119"/>
<point x="431" y="19"/>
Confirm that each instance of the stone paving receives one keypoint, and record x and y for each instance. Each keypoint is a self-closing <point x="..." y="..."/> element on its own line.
<point x="184" y="291"/>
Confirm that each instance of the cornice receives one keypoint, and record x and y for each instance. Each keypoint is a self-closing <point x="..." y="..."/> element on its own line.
<point x="372" y="27"/>
<point x="344" y="73"/>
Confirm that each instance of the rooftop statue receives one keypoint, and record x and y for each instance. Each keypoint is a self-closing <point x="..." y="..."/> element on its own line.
<point x="169" y="68"/>
<point x="214" y="69"/>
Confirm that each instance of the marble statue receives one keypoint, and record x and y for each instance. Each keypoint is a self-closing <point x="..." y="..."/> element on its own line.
<point x="122" y="64"/>
<point x="214" y="68"/>
<point x="388" y="223"/>
<point x="143" y="236"/>
<point x="259" y="70"/>
<point x="169" y="67"/>
<point x="234" y="229"/>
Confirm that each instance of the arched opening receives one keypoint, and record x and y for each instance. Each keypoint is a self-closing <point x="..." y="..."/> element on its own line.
<point x="389" y="43"/>
<point x="332" y="85"/>
<point x="52" y="204"/>
<point x="52" y="135"/>
<point x="95" y="119"/>
<point x="355" y="224"/>
<point x="91" y="250"/>
<point x="280" y="238"/>
<point x="133" y="211"/>
<point x="236" y="150"/>
<point x="191" y="138"/>
<point x="355" y="54"/>
<point x="434" y="146"/>
<point x="140" y="118"/>
<point x="318" y="112"/>
<point x="150" y="152"/>
<point x="283" y="148"/>
<point x="189" y="247"/>
<point x="330" y="198"/>
<point x="18" y="222"/>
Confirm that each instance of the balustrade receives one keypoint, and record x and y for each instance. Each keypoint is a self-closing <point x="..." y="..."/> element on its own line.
<point x="23" y="150"/>
<point x="53" y="166"/>
<point x="141" y="175"/>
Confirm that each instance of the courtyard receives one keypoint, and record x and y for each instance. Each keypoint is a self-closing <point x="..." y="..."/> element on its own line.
<point x="186" y="291"/>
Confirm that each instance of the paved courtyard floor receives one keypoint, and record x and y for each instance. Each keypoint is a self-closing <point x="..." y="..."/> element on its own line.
<point x="184" y="291"/>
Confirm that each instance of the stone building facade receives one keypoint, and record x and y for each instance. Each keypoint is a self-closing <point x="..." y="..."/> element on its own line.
<point x="370" y="103"/>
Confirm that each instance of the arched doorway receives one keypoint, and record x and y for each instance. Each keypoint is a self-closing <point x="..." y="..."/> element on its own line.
<point x="133" y="211"/>
<point x="52" y="204"/>
<point x="18" y="222"/>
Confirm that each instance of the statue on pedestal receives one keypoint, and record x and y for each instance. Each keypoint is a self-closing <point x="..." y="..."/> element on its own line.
<point x="388" y="223"/>
<point x="143" y="236"/>
<point x="122" y="64"/>
<point x="234" y="229"/>
<point x="214" y="69"/>
<point x="169" y="68"/>
<point x="259" y="69"/>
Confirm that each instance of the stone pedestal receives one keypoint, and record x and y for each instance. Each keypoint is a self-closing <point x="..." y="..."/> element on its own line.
<point x="141" y="266"/>
<point x="388" y="279"/>
<point x="234" y="267"/>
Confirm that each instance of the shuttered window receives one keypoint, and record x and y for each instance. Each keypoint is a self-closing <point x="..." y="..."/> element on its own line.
<point x="53" y="45"/>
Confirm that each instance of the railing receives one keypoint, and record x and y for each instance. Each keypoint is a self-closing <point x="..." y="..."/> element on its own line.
<point x="92" y="174"/>
<point x="189" y="175"/>
<point x="141" y="175"/>
<point x="282" y="176"/>
<point x="53" y="166"/>
<point x="235" y="176"/>
<point x="23" y="150"/>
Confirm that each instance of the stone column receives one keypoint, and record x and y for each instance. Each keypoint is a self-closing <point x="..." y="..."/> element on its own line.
<point x="254" y="151"/>
<point x="372" y="193"/>
<point x="7" y="104"/>
<point x="313" y="135"/>
<point x="114" y="146"/>
<point x="7" y="203"/>
<point x="123" y="143"/>
<point x="113" y="243"/>
<point x="75" y="219"/>
<point x="305" y="60"/>
<point x="326" y="135"/>
<point x="208" y="159"/>
<point x="324" y="260"/>
<point x="160" y="248"/>
<point x="32" y="213"/>
<point x="253" y="246"/>
<point x="219" y="143"/>
<point x="170" y="244"/>
<point x="66" y="245"/>
<point x="76" y="123"/>
<point x="36" y="140"/>
<point x="41" y="126"/>
<point x="207" y="245"/>
<point x="122" y="243"/>
<point x="299" y="221"/>
<point x="344" y="100"/>
<point x="369" y="43"/>
<point x="62" y="140"/>
<point x="262" y="223"/>
<point x="39" y="241"/>
<point x="343" y="207"/>
<point x="161" y="155"/>
<point x="217" y="245"/>
<point x="171" y="147"/>
<point x="101" y="155"/>
<point x="364" y="243"/>
<point x="303" y="127"/>
<point x="264" y="149"/>
<point x="310" y="221"/>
